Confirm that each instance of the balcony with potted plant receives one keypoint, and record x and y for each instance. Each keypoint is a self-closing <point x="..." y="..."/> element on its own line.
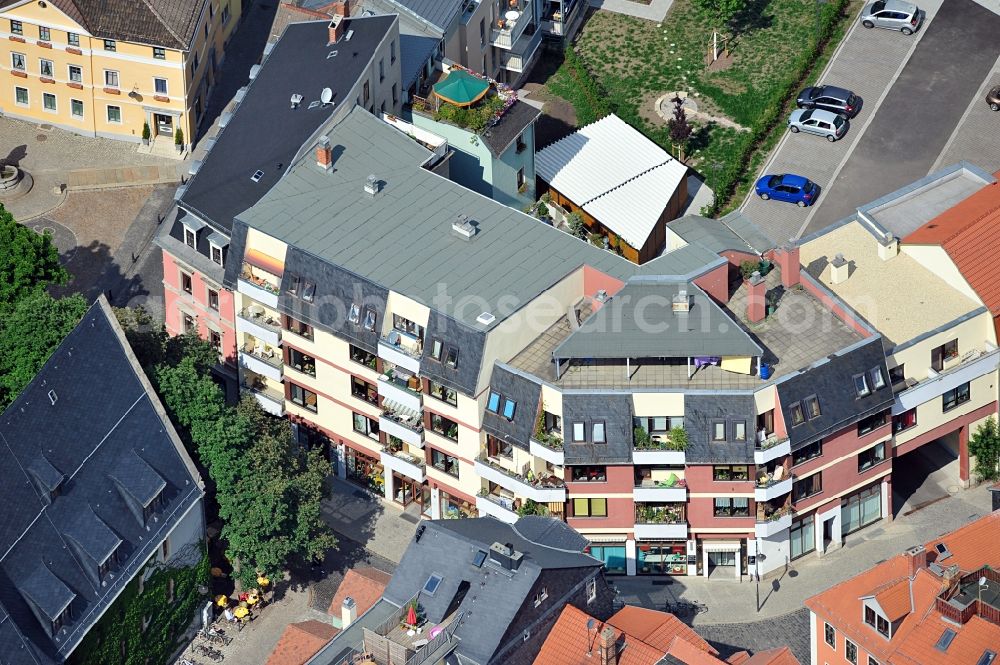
<point x="773" y="518"/>
<point x="541" y="487"/>
<point x="659" y="484"/>
<point x="401" y="386"/>
<point x="547" y="442"/>
<point x="771" y="483"/>
<point x="660" y="520"/>
<point x="659" y="448"/>
<point x="401" y="423"/>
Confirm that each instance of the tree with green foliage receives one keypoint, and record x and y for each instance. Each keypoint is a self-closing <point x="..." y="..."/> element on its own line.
<point x="30" y="330"/>
<point x="28" y="261"/>
<point x="680" y="129"/>
<point x="985" y="445"/>
<point x="269" y="488"/>
<point x="722" y="11"/>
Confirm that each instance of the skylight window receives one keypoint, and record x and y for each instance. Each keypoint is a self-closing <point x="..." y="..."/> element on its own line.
<point x="796" y="412"/>
<point x="479" y="558"/>
<point x="294" y="284"/>
<point x="308" y="291"/>
<point x="812" y="407"/>
<point x="493" y="403"/>
<point x="436" y="348"/>
<point x="878" y="380"/>
<point x="945" y="640"/>
<point x="599" y="433"/>
<point x="987" y="658"/>
<point x="354" y="316"/>
<point x="257" y="175"/>
<point x="432" y="584"/>
<point x="861" y="385"/>
<point x="369" y="318"/>
<point x="452" y="359"/>
<point x="508" y="409"/>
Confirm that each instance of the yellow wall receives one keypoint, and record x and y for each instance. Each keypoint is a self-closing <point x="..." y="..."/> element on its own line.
<point x="982" y="391"/>
<point x="135" y="65"/>
<point x="935" y="259"/>
<point x="647" y="405"/>
<point x="971" y="334"/>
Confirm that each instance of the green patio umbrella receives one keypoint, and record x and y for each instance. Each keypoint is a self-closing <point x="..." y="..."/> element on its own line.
<point x="461" y="88"/>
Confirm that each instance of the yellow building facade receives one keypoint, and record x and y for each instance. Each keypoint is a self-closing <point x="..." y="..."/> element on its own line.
<point x="66" y="68"/>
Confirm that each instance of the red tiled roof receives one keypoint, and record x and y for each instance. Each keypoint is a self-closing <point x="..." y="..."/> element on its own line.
<point x="968" y="232"/>
<point x="779" y="656"/>
<point x="739" y="658"/>
<point x="689" y="654"/>
<point x="971" y="547"/>
<point x="895" y="600"/>
<point x="658" y="629"/>
<point x="569" y="641"/>
<point x="364" y="585"/>
<point x="300" y="642"/>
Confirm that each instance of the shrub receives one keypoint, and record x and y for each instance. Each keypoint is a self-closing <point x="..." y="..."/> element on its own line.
<point x="748" y="268"/>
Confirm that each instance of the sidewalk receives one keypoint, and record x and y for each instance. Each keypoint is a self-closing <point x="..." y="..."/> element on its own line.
<point x="380" y="527"/>
<point x="730" y="601"/>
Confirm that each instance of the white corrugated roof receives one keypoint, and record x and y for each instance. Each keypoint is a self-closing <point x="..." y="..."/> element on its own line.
<point x="614" y="173"/>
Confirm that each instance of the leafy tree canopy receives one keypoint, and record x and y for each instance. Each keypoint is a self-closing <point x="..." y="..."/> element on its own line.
<point x="30" y="331"/>
<point x="723" y="10"/>
<point x="985" y="445"/>
<point x="28" y="261"/>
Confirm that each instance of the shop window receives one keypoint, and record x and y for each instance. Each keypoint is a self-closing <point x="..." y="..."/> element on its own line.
<point x="802" y="537"/>
<point x="861" y="509"/>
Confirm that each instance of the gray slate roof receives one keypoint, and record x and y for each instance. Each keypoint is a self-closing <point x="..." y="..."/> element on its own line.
<point x="512" y="124"/>
<point x="832" y="382"/>
<point x="109" y="441"/>
<point x="526" y="394"/>
<point x="448" y="547"/>
<point x="402" y="238"/>
<point x="470" y="343"/>
<point x="735" y="232"/>
<point x="701" y="411"/>
<point x="615" y="410"/>
<point x="298" y="64"/>
<point x="638" y="322"/>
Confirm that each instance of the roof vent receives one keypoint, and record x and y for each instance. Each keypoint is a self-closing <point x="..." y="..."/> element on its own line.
<point x="53" y="397"/>
<point x="681" y="301"/>
<point x="463" y="227"/>
<point x="839" y="270"/>
<point x="331" y="54"/>
<point x="486" y="318"/>
<point x="372" y="185"/>
<point x="348" y="35"/>
<point x="240" y="94"/>
<point x="602" y="295"/>
<point x="254" y="71"/>
<point x="296" y="100"/>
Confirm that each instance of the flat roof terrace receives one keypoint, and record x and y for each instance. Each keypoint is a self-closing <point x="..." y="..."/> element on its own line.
<point x="900" y="297"/>
<point x="799" y="333"/>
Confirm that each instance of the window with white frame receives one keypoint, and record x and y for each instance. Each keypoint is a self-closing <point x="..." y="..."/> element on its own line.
<point x="160" y="85"/>
<point x="190" y="237"/>
<point x="110" y="78"/>
<point x="48" y="101"/>
<point x="75" y="74"/>
<point x="591" y="591"/>
<point x="21" y="96"/>
<point x="159" y="53"/>
<point x="17" y="61"/>
<point x="115" y="114"/>
<point x="216" y="253"/>
<point x="45" y="68"/>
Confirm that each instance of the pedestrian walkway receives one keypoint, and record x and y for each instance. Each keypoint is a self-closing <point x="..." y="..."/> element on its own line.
<point x="731" y="601"/>
<point x="380" y="527"/>
<point x="122" y="176"/>
<point x="654" y="11"/>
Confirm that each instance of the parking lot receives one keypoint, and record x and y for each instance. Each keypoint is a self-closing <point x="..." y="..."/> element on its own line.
<point x="915" y="91"/>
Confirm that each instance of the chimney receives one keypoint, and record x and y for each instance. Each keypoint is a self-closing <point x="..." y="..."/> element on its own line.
<point x="681" y="301"/>
<point x="324" y="154"/>
<point x="336" y="28"/>
<point x="341" y="8"/>
<point x="787" y="258"/>
<point x="838" y="269"/>
<point x="888" y="247"/>
<point x="348" y="613"/>
<point x="916" y="558"/>
<point x="606" y="646"/>
<point x="756" y="292"/>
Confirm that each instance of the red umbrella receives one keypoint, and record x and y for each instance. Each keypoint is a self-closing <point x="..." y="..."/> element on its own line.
<point x="411" y="616"/>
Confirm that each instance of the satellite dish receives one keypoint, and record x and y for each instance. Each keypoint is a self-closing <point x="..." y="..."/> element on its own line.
<point x="326" y="96"/>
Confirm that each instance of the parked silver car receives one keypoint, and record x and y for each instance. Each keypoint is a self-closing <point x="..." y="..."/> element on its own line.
<point x="892" y="15"/>
<point x="818" y="121"/>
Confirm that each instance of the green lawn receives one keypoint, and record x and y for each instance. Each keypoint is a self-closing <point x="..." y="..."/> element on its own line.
<point x="623" y="64"/>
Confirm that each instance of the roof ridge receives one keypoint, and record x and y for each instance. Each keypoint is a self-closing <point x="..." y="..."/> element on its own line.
<point x="627" y="181"/>
<point x="163" y="21"/>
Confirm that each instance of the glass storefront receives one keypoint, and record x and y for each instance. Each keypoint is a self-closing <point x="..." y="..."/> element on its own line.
<point x="802" y="536"/>
<point x="406" y="490"/>
<point x="861" y="509"/>
<point x="453" y="508"/>
<point x="364" y="470"/>
<point x="661" y="558"/>
<point x="613" y="557"/>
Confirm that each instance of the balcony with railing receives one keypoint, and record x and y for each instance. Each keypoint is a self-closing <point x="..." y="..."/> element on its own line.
<point x="542" y="488"/>
<point x="402" y="423"/>
<point x="400" y="386"/>
<point x="659" y="520"/>
<point x="259" y="284"/>
<point x="270" y="398"/>
<point x="660" y="485"/>
<point x="497" y="505"/>
<point x="396" y="459"/>
<point x="262" y="359"/>
<point x="513" y="17"/>
<point x="771" y="485"/>
<point x="401" y="349"/>
<point x="659" y="447"/>
<point x="953" y="372"/>
<point x="770" y="447"/>
<point x="522" y="54"/>
<point x="772" y="519"/>
<point x="548" y="445"/>
<point x="263" y="324"/>
<point x="974" y="594"/>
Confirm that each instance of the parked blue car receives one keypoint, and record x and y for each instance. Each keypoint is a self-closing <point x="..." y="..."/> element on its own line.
<point x="788" y="187"/>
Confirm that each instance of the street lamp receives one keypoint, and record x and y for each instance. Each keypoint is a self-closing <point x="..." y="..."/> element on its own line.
<point x="756" y="572"/>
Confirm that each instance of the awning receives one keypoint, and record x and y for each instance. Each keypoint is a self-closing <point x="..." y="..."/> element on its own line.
<point x="606" y="538"/>
<point x="720" y="546"/>
<point x="461" y="88"/>
<point x="264" y="261"/>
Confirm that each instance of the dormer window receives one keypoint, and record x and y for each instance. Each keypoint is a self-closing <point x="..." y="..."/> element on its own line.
<point x="190" y="237"/>
<point x="64" y="618"/>
<point x="105" y="567"/>
<point x="876" y="621"/>
<point x="216" y="254"/>
<point x="150" y="508"/>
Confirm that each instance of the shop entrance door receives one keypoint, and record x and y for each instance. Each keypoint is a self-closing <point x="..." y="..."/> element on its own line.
<point x="717" y="559"/>
<point x="164" y="124"/>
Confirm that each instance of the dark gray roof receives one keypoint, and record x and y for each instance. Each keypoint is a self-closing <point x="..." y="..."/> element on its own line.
<point x="552" y="533"/>
<point x="439" y="13"/>
<point x="448" y="548"/>
<point x="638" y="322"/>
<point x="702" y="411"/>
<point x="414" y="51"/>
<point x="336" y="291"/>
<point x="402" y="238"/>
<point x="832" y="382"/>
<point x="512" y="124"/>
<point x="735" y="232"/>
<point x="615" y="410"/>
<point x="526" y="395"/>
<point x="170" y="237"/>
<point x="470" y="343"/>
<point x="298" y="64"/>
<point x="106" y="421"/>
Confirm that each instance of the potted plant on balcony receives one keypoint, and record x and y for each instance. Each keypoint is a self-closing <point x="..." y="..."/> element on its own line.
<point x="640" y="438"/>
<point x="678" y="439"/>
